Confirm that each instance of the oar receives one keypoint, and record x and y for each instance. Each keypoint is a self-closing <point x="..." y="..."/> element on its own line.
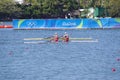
<point x="48" y="38"/>
<point x="80" y="38"/>
<point x="39" y="42"/>
<point x="33" y="38"/>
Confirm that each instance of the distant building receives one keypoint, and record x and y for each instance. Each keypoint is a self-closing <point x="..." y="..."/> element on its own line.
<point x="19" y="1"/>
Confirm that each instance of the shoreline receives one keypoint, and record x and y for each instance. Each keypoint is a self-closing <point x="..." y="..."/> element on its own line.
<point x="65" y="28"/>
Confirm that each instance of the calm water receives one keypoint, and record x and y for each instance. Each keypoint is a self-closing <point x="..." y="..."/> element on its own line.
<point x="61" y="61"/>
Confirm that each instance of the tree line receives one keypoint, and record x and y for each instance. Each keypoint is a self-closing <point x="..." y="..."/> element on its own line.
<point x="41" y="9"/>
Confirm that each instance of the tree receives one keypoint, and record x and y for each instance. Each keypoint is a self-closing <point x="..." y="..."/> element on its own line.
<point x="113" y="8"/>
<point x="8" y="9"/>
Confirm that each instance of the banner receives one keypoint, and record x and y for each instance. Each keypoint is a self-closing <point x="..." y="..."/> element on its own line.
<point x="67" y="23"/>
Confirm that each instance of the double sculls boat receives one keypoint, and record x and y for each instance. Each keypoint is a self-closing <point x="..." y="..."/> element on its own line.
<point x="48" y="40"/>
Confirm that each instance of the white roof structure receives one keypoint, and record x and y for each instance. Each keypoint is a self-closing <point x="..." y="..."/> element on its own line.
<point x="19" y="1"/>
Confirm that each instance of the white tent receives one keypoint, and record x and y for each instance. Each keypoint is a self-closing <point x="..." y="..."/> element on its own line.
<point x="19" y="1"/>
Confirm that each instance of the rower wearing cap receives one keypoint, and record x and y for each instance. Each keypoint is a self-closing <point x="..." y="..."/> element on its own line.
<point x="65" y="37"/>
<point x="55" y="37"/>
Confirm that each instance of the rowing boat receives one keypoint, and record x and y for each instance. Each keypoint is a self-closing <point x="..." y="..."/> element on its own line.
<point x="60" y="38"/>
<point x="73" y="41"/>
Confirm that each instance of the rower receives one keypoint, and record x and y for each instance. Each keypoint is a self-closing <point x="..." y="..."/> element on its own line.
<point x="55" y="37"/>
<point x="66" y="37"/>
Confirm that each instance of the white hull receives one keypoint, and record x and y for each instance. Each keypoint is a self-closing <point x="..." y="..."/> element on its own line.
<point x="74" y="41"/>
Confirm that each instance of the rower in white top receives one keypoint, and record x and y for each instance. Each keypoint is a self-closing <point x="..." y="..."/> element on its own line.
<point x="55" y="37"/>
<point x="65" y="37"/>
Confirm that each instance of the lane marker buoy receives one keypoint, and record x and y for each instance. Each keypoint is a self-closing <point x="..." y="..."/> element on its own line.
<point x="118" y="59"/>
<point x="113" y="69"/>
